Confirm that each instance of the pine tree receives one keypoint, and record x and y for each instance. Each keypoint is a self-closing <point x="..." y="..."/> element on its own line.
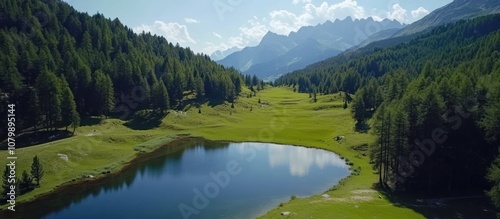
<point x="75" y="121"/>
<point x="430" y="109"/>
<point x="26" y="183"/>
<point x="103" y="93"/>
<point x="68" y="105"/>
<point x="399" y="139"/>
<point x="255" y="80"/>
<point x="199" y="87"/>
<point x="229" y="90"/>
<point x="159" y="96"/>
<point x="383" y="152"/>
<point x="37" y="171"/>
<point x="83" y="90"/>
<point x="178" y="86"/>
<point x="5" y="183"/>
<point x="86" y="44"/>
<point x="237" y="85"/>
<point x="49" y="91"/>
<point x="189" y="82"/>
<point x="386" y="144"/>
<point x="359" y="109"/>
<point x="494" y="178"/>
<point x="32" y="108"/>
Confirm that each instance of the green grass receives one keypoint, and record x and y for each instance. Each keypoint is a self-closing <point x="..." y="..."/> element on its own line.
<point x="290" y="118"/>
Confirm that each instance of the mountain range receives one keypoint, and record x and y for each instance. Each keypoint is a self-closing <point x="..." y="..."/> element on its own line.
<point x="218" y="55"/>
<point x="277" y="54"/>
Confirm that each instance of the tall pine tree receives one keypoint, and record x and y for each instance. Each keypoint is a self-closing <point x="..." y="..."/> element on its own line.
<point x="37" y="171"/>
<point x="68" y="105"/>
<point x="159" y="96"/>
<point x="103" y="93"/>
<point x="49" y="91"/>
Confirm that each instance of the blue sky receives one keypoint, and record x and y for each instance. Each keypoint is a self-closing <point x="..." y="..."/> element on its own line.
<point x="209" y="25"/>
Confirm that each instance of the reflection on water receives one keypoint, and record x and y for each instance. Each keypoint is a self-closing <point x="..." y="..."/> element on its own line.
<point x="301" y="159"/>
<point x="155" y="185"/>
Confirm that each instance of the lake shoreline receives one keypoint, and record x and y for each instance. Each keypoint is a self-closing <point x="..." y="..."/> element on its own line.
<point x="101" y="178"/>
<point x="175" y="143"/>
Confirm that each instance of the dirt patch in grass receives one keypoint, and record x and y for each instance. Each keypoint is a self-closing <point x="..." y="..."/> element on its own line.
<point x="326" y="107"/>
<point x="351" y="199"/>
<point x="364" y="195"/>
<point x="286" y="103"/>
<point x="361" y="148"/>
<point x="361" y="198"/>
<point x="364" y="191"/>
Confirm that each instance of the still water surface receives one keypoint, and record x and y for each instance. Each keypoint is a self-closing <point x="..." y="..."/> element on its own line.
<point x="201" y="180"/>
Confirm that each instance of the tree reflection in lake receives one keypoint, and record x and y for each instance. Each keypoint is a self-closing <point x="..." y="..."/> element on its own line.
<point x="155" y="184"/>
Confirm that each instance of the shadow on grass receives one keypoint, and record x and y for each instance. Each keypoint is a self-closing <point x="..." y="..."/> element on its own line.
<point x="464" y="205"/>
<point x="27" y="139"/>
<point x="362" y="127"/>
<point x="185" y="105"/>
<point x="90" y="121"/>
<point x="145" y="120"/>
<point x="215" y="102"/>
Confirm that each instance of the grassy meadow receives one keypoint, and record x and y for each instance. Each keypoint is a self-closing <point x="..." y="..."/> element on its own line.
<point x="283" y="116"/>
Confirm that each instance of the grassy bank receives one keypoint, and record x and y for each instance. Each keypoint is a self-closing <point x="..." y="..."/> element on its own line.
<point x="282" y="117"/>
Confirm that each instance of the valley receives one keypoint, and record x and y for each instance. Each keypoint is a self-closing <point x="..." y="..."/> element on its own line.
<point x="317" y="111"/>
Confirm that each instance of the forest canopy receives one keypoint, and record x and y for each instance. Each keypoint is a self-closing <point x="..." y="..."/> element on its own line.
<point x="61" y="65"/>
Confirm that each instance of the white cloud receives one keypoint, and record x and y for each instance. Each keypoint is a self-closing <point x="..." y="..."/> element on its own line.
<point x="398" y="13"/>
<point x="248" y="35"/>
<point x="212" y="47"/>
<point x="303" y="1"/>
<point x="377" y="18"/>
<point x="191" y="21"/>
<point x="217" y="35"/>
<point x="173" y="32"/>
<point x="283" y="22"/>
<point x="419" y="13"/>
<point x="301" y="161"/>
<point x="255" y="32"/>
<point x="339" y="10"/>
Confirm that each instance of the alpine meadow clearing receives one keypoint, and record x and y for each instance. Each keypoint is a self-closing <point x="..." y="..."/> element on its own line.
<point x="282" y="116"/>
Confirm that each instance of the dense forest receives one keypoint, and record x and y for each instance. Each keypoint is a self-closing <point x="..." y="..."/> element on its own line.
<point x="59" y="65"/>
<point x="433" y="103"/>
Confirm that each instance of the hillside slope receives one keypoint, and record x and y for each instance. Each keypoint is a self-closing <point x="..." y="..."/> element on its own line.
<point x="47" y="47"/>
